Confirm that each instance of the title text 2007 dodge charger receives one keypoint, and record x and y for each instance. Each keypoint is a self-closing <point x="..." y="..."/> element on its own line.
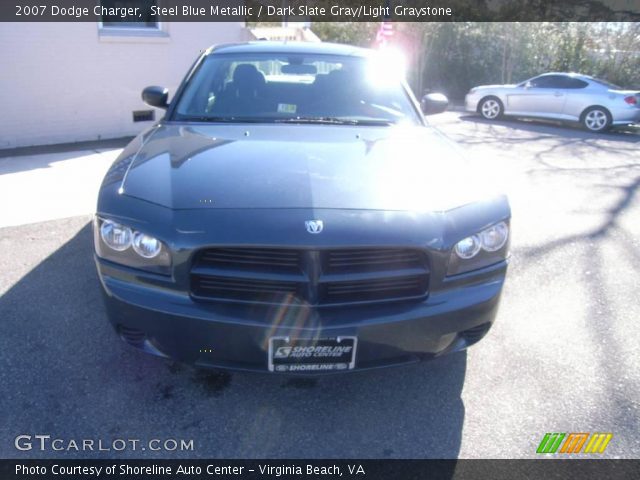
<point x="293" y="212"/>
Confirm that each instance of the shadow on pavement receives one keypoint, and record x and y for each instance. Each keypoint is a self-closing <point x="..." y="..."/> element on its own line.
<point x="66" y="374"/>
<point x="24" y="159"/>
<point x="557" y="128"/>
<point x="19" y="164"/>
<point x="90" y="145"/>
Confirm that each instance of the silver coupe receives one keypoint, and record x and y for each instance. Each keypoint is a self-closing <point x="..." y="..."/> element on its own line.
<point x="595" y="103"/>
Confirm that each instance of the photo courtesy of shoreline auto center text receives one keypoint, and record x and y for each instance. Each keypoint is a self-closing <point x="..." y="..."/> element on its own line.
<point x="319" y="239"/>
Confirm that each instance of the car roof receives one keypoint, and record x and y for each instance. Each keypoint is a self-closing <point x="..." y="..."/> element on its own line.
<point x="263" y="46"/>
<point x="568" y="74"/>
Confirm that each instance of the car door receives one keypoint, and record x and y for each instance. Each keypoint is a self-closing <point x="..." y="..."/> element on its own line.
<point x="578" y="97"/>
<point x="541" y="96"/>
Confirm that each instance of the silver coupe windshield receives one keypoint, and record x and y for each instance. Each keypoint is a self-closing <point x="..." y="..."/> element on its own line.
<point x="295" y="88"/>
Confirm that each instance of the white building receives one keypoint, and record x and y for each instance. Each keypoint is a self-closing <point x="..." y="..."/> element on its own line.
<point x="70" y="82"/>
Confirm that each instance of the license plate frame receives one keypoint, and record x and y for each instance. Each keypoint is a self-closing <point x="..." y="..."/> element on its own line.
<point x="311" y="361"/>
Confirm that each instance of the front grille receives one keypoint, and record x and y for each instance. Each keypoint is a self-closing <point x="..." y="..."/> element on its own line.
<point x="244" y="288"/>
<point x="364" y="290"/>
<point x="312" y="277"/>
<point x="369" y="259"/>
<point x="252" y="258"/>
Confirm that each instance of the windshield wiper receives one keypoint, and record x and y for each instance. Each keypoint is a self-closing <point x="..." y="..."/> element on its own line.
<point x="310" y="120"/>
<point x="335" y="121"/>
<point x="205" y="118"/>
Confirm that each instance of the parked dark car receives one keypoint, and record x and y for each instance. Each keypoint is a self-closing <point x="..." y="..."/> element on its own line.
<point x="293" y="212"/>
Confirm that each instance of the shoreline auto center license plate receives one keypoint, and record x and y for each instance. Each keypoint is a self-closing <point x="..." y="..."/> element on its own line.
<point x="312" y="355"/>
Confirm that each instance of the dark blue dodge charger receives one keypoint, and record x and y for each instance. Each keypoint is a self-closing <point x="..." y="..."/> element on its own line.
<point x="293" y="212"/>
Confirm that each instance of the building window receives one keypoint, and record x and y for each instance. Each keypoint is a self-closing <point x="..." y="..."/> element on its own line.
<point x="117" y="14"/>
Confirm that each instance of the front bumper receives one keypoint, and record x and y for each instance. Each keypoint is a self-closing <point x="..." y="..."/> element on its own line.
<point x="225" y="335"/>
<point x="471" y="102"/>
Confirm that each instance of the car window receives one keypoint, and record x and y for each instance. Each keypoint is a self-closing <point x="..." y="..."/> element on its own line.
<point x="574" y="83"/>
<point x="277" y="87"/>
<point x="548" y="81"/>
<point x="610" y="85"/>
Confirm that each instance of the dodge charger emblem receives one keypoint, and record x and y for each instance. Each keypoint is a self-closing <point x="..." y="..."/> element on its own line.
<point x="314" y="226"/>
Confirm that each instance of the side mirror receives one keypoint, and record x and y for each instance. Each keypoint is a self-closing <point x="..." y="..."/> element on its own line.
<point x="156" y="96"/>
<point x="433" y="103"/>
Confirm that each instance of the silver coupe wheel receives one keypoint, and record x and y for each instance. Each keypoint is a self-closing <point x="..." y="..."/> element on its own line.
<point x="596" y="120"/>
<point x="491" y="109"/>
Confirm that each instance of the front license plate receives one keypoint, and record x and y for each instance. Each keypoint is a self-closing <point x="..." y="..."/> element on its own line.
<point x="312" y="355"/>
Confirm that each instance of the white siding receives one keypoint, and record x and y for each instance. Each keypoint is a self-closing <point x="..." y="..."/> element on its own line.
<point x="63" y="82"/>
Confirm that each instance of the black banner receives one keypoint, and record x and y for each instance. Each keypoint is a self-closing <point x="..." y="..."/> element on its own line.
<point x="128" y="12"/>
<point x="546" y="469"/>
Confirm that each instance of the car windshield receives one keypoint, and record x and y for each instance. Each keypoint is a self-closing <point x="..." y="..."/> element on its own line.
<point x="295" y="88"/>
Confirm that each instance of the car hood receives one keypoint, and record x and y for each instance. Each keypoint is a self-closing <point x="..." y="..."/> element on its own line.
<point x="191" y="166"/>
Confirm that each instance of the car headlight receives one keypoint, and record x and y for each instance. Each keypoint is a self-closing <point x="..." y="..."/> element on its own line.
<point x="121" y="244"/>
<point x="494" y="238"/>
<point x="145" y="245"/>
<point x="473" y="90"/>
<point x="116" y="236"/>
<point x="480" y="250"/>
<point x="468" y="247"/>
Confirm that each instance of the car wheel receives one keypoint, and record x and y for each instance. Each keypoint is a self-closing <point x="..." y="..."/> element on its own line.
<point x="596" y="119"/>
<point x="491" y="108"/>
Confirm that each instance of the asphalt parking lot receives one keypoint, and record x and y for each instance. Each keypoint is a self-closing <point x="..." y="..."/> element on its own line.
<point x="562" y="356"/>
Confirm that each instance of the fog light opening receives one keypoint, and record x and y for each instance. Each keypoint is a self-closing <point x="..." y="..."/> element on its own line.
<point x="132" y="336"/>
<point x="475" y="334"/>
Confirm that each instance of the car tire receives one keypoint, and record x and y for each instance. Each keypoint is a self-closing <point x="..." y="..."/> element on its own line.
<point x="596" y="119"/>
<point x="491" y="108"/>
